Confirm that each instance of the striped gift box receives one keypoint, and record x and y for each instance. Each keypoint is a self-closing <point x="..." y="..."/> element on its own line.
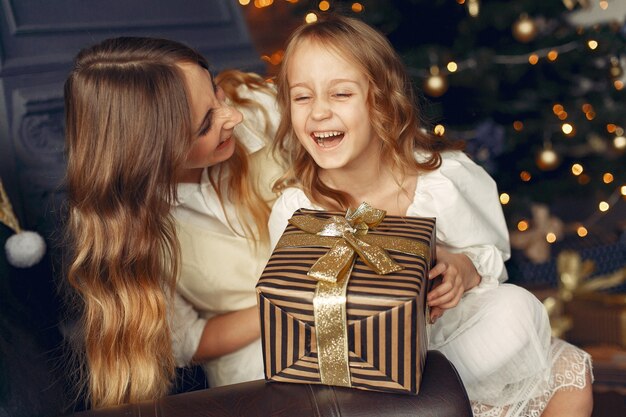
<point x="386" y="314"/>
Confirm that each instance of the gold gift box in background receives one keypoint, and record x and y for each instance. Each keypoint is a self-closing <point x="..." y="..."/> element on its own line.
<point x="597" y="319"/>
<point x="385" y="315"/>
<point x="588" y="310"/>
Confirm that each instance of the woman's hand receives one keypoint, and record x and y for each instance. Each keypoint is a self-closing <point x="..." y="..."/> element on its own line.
<point x="458" y="275"/>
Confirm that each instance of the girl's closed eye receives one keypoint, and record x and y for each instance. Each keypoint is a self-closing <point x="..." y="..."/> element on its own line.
<point x="343" y="95"/>
<point x="301" y="98"/>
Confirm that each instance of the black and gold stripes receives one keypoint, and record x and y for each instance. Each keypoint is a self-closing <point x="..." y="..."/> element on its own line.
<point x="385" y="313"/>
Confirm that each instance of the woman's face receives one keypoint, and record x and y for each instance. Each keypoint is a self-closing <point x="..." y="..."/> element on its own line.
<point x="213" y="120"/>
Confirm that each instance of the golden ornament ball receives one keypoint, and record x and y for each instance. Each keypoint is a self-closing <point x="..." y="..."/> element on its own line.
<point x="615" y="69"/>
<point x="524" y="29"/>
<point x="547" y="159"/>
<point x="436" y="85"/>
<point x="619" y="142"/>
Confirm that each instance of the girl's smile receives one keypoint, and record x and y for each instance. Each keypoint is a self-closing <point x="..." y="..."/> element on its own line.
<point x="329" y="109"/>
<point x="327" y="139"/>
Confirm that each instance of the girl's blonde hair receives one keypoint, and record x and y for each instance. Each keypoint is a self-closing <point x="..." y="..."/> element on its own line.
<point x="128" y="133"/>
<point x="252" y="210"/>
<point x="391" y="100"/>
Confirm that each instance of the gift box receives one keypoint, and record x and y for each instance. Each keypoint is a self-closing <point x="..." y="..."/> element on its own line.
<point x="593" y="306"/>
<point x="597" y="319"/>
<point x="607" y="253"/>
<point x="343" y="300"/>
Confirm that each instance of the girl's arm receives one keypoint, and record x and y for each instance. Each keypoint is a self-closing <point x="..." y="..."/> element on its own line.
<point x="465" y="201"/>
<point x="472" y="234"/>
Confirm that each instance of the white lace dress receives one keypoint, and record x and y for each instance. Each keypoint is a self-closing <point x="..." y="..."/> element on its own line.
<point x="498" y="336"/>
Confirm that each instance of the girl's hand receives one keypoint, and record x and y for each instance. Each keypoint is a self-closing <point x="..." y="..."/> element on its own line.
<point x="458" y="275"/>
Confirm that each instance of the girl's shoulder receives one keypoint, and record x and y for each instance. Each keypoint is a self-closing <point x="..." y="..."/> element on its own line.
<point x="290" y="200"/>
<point x="451" y="158"/>
<point x="455" y="165"/>
<point x="293" y="198"/>
<point x="458" y="173"/>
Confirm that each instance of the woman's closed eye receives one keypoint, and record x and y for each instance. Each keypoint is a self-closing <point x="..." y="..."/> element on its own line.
<point x="206" y="124"/>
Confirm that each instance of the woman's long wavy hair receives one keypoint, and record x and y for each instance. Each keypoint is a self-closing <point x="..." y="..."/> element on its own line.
<point x="128" y="132"/>
<point x="391" y="100"/>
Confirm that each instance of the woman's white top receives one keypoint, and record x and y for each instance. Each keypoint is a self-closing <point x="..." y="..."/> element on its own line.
<point x="220" y="266"/>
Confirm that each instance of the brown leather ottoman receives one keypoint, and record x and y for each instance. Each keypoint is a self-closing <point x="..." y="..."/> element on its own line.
<point x="441" y="394"/>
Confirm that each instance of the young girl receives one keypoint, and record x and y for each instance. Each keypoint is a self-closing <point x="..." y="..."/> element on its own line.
<point x="144" y="120"/>
<point x="350" y="132"/>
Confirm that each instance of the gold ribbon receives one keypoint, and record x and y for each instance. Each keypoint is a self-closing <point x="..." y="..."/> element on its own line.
<point x="574" y="281"/>
<point x="346" y="237"/>
<point x="7" y="216"/>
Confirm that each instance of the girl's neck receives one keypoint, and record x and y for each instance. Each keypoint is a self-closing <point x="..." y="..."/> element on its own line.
<point x="377" y="185"/>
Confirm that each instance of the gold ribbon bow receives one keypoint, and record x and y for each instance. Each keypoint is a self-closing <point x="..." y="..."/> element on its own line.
<point x="346" y="237"/>
<point x="7" y="216"/>
<point x="347" y="233"/>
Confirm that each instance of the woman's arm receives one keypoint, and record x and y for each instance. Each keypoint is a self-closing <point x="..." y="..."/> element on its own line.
<point x="227" y="333"/>
<point x="195" y="339"/>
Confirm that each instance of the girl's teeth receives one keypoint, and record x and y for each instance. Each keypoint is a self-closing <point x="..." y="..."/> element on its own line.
<point x="320" y="138"/>
<point x="321" y="142"/>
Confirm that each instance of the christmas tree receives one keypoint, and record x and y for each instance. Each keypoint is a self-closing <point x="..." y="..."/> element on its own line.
<point x="536" y="89"/>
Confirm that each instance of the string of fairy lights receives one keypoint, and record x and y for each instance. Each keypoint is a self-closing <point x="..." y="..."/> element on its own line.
<point x="524" y="30"/>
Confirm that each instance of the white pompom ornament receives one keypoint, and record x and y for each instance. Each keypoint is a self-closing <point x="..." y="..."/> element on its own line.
<point x="25" y="249"/>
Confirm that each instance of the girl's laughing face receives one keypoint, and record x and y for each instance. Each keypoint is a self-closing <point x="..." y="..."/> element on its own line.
<point x="329" y="110"/>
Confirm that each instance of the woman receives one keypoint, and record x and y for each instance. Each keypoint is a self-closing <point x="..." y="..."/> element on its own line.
<point x="144" y="120"/>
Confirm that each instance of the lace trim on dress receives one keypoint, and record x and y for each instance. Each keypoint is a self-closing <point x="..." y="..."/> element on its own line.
<point x="569" y="371"/>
